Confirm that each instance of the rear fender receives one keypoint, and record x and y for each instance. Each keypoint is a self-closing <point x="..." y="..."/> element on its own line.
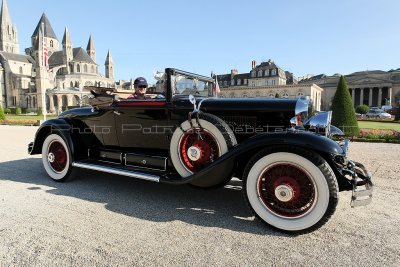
<point x="59" y="126"/>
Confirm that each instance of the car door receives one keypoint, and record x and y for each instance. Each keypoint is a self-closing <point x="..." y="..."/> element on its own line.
<point x="142" y="125"/>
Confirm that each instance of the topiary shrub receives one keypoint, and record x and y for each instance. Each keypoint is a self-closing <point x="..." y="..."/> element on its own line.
<point x="2" y="116"/>
<point x="363" y="109"/>
<point x="39" y="111"/>
<point x="28" y="110"/>
<point x="397" y="117"/>
<point x="17" y="111"/>
<point x="7" y="111"/>
<point x="343" y="114"/>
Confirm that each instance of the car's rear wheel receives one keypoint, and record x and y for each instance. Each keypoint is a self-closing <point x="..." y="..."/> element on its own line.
<point x="56" y="157"/>
<point x="195" y="146"/>
<point x="290" y="189"/>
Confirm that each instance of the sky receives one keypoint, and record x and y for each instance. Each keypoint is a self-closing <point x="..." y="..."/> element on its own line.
<point x="303" y="37"/>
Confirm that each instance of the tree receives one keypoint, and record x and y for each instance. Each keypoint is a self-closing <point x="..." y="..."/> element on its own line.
<point x="363" y="109"/>
<point x="18" y="111"/>
<point x="2" y="116"/>
<point x="397" y="117"/>
<point x="39" y="111"/>
<point x="343" y="114"/>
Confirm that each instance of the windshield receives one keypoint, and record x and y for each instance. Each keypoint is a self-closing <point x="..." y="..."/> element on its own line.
<point x="186" y="85"/>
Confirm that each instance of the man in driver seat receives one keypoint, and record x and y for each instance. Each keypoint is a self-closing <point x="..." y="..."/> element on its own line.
<point x="140" y="85"/>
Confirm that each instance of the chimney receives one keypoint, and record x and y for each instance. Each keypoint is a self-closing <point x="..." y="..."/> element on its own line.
<point x="234" y="72"/>
<point x="253" y="64"/>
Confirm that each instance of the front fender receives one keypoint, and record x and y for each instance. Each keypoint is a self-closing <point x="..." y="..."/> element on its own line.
<point x="224" y="166"/>
<point x="61" y="126"/>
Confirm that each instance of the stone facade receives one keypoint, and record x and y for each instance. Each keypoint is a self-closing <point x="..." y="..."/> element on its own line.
<point x="267" y="80"/>
<point x="24" y="78"/>
<point x="372" y="88"/>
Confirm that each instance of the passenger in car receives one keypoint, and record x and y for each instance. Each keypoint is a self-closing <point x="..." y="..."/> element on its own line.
<point x="140" y="85"/>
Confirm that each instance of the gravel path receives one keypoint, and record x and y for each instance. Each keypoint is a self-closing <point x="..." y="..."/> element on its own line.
<point x="102" y="220"/>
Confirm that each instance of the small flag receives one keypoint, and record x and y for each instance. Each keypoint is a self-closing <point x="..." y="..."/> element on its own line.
<point x="45" y="55"/>
<point x="216" y="87"/>
<point x="45" y="51"/>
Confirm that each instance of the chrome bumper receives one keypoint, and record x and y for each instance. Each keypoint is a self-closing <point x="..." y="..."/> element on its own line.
<point x="362" y="184"/>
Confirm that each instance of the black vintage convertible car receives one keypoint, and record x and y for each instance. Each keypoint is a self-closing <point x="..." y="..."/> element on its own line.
<point x="291" y="169"/>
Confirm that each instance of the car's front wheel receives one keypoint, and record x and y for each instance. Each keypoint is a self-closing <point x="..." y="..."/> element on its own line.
<point x="290" y="189"/>
<point x="56" y="157"/>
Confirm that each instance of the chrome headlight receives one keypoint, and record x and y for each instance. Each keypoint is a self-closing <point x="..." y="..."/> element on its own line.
<point x="320" y="123"/>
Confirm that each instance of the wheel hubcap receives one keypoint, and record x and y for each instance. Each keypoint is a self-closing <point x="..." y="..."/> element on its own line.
<point x="51" y="157"/>
<point x="194" y="153"/>
<point x="286" y="190"/>
<point x="284" y="193"/>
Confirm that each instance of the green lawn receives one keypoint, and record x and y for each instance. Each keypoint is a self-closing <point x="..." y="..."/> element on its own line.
<point x="26" y="117"/>
<point x="379" y="125"/>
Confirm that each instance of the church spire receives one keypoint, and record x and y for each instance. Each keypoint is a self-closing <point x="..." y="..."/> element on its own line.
<point x="91" y="49"/>
<point x="8" y="32"/>
<point x="67" y="48"/>
<point x="109" y="66"/>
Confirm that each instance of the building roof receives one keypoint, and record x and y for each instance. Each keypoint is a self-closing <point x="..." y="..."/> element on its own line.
<point x="18" y="57"/>
<point x="79" y="55"/>
<point x="48" y="30"/>
<point x="267" y="65"/>
<point x="109" y="58"/>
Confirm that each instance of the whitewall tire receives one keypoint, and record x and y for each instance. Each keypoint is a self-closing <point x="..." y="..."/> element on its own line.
<point x="194" y="148"/>
<point x="56" y="157"/>
<point x="291" y="190"/>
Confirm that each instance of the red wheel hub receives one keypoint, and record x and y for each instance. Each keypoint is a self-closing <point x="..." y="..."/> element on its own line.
<point x="57" y="156"/>
<point x="286" y="190"/>
<point x="197" y="149"/>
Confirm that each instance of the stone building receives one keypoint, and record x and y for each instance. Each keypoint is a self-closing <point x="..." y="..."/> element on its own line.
<point x="267" y="80"/>
<point x="23" y="78"/>
<point x="372" y="88"/>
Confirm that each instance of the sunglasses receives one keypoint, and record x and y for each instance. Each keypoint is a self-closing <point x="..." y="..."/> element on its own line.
<point x="142" y="86"/>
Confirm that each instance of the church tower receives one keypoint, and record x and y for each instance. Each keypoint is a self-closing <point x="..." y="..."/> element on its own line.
<point x="90" y="49"/>
<point x="8" y="32"/>
<point x="109" y="66"/>
<point x="48" y="34"/>
<point x="67" y="50"/>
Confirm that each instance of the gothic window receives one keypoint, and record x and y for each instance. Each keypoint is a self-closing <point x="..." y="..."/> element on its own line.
<point x="232" y="82"/>
<point x="259" y="73"/>
<point x="34" y="102"/>
<point x="21" y="71"/>
<point x="253" y="74"/>
<point x="71" y="84"/>
<point x="92" y="69"/>
<point x="71" y="68"/>
<point x="60" y="71"/>
<point x="85" y="68"/>
<point x="78" y="68"/>
<point x="266" y="73"/>
<point x="76" y="84"/>
<point x="51" y="43"/>
<point x="273" y="72"/>
<point x="273" y="82"/>
<point x="238" y="82"/>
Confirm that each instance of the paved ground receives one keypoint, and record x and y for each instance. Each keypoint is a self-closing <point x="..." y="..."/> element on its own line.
<point x="106" y="220"/>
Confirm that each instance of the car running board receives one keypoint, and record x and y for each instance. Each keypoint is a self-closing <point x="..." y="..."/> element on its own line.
<point x="133" y="174"/>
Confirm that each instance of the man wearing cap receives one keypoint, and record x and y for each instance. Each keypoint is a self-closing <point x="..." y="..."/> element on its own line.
<point x="140" y="85"/>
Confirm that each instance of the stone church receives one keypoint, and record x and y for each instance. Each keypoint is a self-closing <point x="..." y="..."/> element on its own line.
<point x="24" y="77"/>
